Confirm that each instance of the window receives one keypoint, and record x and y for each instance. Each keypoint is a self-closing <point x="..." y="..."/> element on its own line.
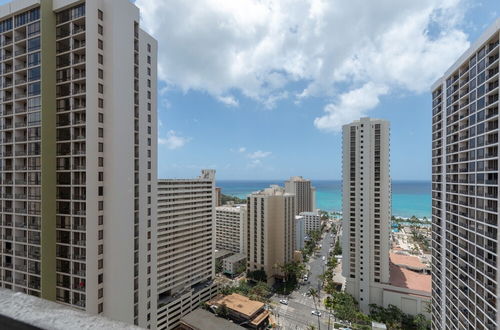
<point x="34" y="103"/>
<point x="100" y="220"/>
<point x="33" y="59"/>
<point x="149" y="48"/>
<point x="99" y="278"/>
<point x="100" y="73"/>
<point x="100" y="190"/>
<point x="100" y="14"/>
<point x="33" y="29"/>
<point x="101" y="147"/>
<point x="100" y="176"/>
<point x="34" y="89"/>
<point x="100" y="117"/>
<point x="100" y="44"/>
<point x="100" y="59"/>
<point x="33" y="44"/>
<point x="100" y="264"/>
<point x="100" y="161"/>
<point x="101" y="103"/>
<point x="149" y="59"/>
<point x="34" y="74"/>
<point x="100" y="248"/>
<point x="149" y="71"/>
<point x="100" y="308"/>
<point x="100" y="29"/>
<point x="149" y="83"/>
<point x="149" y="95"/>
<point x="100" y="132"/>
<point x="100" y="88"/>
<point x="100" y="291"/>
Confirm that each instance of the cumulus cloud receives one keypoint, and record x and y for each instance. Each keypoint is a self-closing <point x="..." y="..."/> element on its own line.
<point x="173" y="140"/>
<point x="332" y="49"/>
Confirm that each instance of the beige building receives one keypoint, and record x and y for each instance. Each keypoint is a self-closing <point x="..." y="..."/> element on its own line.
<point x="305" y="194"/>
<point x="371" y="275"/>
<point x="230" y="228"/>
<point x="78" y="156"/>
<point x="366" y="209"/>
<point x="270" y="230"/>
<point x="186" y="228"/>
<point x="465" y="250"/>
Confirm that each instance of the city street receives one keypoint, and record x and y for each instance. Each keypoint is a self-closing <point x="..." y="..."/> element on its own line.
<point x="297" y="314"/>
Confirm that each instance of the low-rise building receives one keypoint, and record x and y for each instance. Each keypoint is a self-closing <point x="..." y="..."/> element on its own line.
<point x="242" y="310"/>
<point x="233" y="264"/>
<point x="201" y="319"/>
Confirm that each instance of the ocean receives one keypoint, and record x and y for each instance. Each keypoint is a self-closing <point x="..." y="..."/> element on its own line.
<point x="408" y="197"/>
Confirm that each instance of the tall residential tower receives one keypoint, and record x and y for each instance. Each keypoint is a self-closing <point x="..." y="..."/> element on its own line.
<point x="186" y="243"/>
<point x="465" y="265"/>
<point x="78" y="156"/>
<point x="366" y="209"/>
<point x="270" y="231"/>
<point x="305" y="194"/>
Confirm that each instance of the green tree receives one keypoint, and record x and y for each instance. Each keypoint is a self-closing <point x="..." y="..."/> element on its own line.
<point x="314" y="294"/>
<point x="421" y="323"/>
<point x="222" y="311"/>
<point x="257" y="275"/>
<point x="218" y="266"/>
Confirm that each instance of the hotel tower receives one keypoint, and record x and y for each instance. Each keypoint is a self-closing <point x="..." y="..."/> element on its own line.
<point x="78" y="156"/>
<point x="465" y="265"/>
<point x="366" y="210"/>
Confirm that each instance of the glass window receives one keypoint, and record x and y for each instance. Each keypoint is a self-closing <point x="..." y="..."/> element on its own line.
<point x="34" y="73"/>
<point x="34" y="103"/>
<point x="33" y="29"/>
<point x="34" y="89"/>
<point x="34" y="44"/>
<point x="34" y="59"/>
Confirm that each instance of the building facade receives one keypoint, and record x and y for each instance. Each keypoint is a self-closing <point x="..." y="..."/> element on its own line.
<point x="366" y="202"/>
<point x="78" y="158"/>
<point x="305" y="194"/>
<point x="270" y="230"/>
<point x="465" y="270"/>
<point x="300" y="232"/>
<point x="186" y="243"/>
<point x="312" y="221"/>
<point x="230" y="228"/>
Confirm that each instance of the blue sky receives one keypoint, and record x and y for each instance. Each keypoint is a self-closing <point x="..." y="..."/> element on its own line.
<point x="259" y="90"/>
<point x="263" y="129"/>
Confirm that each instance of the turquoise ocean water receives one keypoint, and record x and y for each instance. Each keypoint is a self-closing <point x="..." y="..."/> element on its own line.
<point x="408" y="197"/>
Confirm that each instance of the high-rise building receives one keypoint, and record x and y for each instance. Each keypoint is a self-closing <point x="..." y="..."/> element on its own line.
<point x="312" y="221"/>
<point x="366" y="209"/>
<point x="270" y="231"/>
<point x="218" y="196"/>
<point x="78" y="156"/>
<point x="304" y="192"/>
<point x="465" y="268"/>
<point x="186" y="243"/>
<point x="230" y="228"/>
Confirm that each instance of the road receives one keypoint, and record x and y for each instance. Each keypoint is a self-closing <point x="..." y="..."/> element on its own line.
<point x="297" y="314"/>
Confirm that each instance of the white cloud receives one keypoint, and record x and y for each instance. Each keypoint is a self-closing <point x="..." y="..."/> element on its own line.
<point x="228" y="100"/>
<point x="259" y="154"/>
<point x="350" y="106"/>
<point x="173" y="140"/>
<point x="265" y="49"/>
<point x="242" y="149"/>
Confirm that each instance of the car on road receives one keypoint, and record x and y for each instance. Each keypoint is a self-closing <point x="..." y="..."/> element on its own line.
<point x="323" y="257"/>
<point x="284" y="301"/>
<point x="316" y="313"/>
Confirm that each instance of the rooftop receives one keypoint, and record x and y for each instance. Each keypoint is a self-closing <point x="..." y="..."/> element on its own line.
<point x="407" y="261"/>
<point x="200" y="319"/>
<point x="236" y="257"/>
<point x="222" y="253"/>
<point x="405" y="278"/>
<point x="239" y="303"/>
<point x="273" y="190"/>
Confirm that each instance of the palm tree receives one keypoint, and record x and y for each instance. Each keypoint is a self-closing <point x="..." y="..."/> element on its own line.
<point x="314" y="294"/>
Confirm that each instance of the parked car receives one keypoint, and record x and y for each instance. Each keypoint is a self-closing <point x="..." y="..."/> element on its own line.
<point x="316" y="313"/>
<point x="284" y="301"/>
